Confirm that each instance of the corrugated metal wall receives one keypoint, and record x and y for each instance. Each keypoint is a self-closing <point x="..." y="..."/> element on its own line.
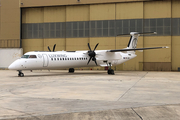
<point x="9" y="24"/>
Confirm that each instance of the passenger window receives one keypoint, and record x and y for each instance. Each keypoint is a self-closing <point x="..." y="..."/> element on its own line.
<point x="32" y="56"/>
<point x="57" y="58"/>
<point x="51" y="58"/>
<point x="54" y="58"/>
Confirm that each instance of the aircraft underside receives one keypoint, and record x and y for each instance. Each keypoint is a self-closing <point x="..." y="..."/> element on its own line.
<point x="71" y="69"/>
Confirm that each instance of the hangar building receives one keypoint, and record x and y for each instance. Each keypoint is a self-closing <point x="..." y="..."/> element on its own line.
<point x="71" y="24"/>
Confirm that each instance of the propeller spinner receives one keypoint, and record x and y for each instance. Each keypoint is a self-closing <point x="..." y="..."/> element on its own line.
<point x="53" y="48"/>
<point x="92" y="54"/>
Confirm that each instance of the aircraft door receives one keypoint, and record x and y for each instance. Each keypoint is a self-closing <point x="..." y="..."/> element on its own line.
<point x="45" y="60"/>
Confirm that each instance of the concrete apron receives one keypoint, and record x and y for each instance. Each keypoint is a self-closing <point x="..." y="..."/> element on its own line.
<point x="85" y="95"/>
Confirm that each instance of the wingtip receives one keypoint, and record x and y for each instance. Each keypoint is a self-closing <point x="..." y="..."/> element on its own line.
<point x="165" y="47"/>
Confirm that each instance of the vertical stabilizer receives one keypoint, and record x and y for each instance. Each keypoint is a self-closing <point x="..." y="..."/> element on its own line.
<point x="133" y="40"/>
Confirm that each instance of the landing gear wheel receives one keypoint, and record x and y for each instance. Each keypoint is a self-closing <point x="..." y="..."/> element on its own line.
<point x="21" y="74"/>
<point x="71" y="70"/>
<point x="110" y="71"/>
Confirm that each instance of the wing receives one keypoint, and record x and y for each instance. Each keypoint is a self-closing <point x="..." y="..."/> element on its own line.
<point x="119" y="50"/>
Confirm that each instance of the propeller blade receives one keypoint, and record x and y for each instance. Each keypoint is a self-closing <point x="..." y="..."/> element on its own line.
<point x="89" y="47"/>
<point x="49" y="49"/>
<point x="95" y="47"/>
<point x="54" y="47"/>
<point x="95" y="62"/>
<point x="89" y="60"/>
<point x="92" y="54"/>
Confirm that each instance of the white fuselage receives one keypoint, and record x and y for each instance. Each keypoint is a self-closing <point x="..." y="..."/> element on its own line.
<point x="63" y="59"/>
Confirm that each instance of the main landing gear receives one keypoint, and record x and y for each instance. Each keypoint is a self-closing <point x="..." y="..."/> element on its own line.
<point x="71" y="70"/>
<point x="110" y="71"/>
<point x="20" y="74"/>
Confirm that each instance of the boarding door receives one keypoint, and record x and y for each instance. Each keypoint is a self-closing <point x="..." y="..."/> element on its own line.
<point x="45" y="60"/>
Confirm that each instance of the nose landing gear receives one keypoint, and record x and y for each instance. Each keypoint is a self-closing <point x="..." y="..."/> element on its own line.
<point x="20" y="74"/>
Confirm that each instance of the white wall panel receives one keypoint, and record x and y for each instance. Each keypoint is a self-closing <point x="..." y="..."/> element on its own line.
<point x="8" y="55"/>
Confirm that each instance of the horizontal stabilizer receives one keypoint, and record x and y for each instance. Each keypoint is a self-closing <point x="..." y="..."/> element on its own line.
<point x="137" y="33"/>
<point x="120" y="50"/>
<point x="147" y="33"/>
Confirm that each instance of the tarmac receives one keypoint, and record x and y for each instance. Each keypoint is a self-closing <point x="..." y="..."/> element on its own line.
<point x="89" y="95"/>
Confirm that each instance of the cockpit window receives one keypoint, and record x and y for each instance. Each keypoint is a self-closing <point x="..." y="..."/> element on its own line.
<point x="29" y="56"/>
<point x="32" y="56"/>
<point x="25" y="56"/>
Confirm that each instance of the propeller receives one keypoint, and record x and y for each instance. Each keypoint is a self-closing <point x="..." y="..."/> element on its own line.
<point x="53" y="48"/>
<point x="92" y="54"/>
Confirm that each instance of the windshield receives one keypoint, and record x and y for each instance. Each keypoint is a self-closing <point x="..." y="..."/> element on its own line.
<point x="29" y="56"/>
<point x="25" y="56"/>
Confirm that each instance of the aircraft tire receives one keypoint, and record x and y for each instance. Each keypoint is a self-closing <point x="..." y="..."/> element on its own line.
<point x="110" y="71"/>
<point x="21" y="74"/>
<point x="71" y="70"/>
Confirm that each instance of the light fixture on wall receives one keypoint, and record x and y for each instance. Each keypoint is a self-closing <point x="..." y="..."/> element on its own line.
<point x="21" y="3"/>
<point x="78" y="0"/>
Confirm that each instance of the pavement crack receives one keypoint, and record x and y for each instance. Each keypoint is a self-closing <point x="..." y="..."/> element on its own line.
<point x="31" y="115"/>
<point x="137" y="114"/>
<point x="132" y="86"/>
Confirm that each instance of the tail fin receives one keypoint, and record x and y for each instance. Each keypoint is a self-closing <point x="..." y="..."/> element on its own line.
<point x="133" y="40"/>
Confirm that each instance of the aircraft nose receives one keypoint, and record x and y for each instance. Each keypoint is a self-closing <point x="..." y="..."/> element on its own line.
<point x="11" y="67"/>
<point x="16" y="65"/>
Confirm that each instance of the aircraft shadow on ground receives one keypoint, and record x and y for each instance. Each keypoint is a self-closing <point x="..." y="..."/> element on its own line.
<point x="62" y="74"/>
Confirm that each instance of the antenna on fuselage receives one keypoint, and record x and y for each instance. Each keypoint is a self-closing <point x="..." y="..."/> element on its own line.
<point x="53" y="48"/>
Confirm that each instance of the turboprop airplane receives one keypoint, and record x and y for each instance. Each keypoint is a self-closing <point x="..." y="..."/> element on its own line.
<point x="39" y="60"/>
